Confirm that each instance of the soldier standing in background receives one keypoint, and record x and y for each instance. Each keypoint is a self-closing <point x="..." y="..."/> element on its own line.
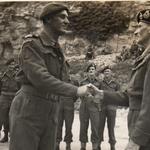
<point x="89" y="111"/>
<point x="43" y="75"/>
<point x="90" y="53"/>
<point x="108" y="111"/>
<point x="9" y="87"/>
<point x="66" y="114"/>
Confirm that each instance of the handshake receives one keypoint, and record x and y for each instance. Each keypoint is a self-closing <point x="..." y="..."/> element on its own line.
<point x="90" y="90"/>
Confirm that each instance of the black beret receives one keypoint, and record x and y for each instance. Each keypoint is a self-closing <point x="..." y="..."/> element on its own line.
<point x="107" y="69"/>
<point x="90" y="65"/>
<point x="144" y="16"/>
<point x="52" y="8"/>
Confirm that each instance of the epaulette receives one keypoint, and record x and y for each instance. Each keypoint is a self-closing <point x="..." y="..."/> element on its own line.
<point x="31" y="36"/>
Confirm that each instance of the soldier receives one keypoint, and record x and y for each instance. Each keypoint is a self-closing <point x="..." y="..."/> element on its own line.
<point x="9" y="87"/>
<point x="90" y="53"/>
<point x="66" y="114"/>
<point x="43" y="74"/>
<point x="137" y="95"/>
<point x="108" y="111"/>
<point x="89" y="111"/>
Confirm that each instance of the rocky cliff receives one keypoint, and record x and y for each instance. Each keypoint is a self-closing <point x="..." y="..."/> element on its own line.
<point x="94" y="23"/>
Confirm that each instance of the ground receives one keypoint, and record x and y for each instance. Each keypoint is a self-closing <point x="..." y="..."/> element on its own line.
<point x="121" y="133"/>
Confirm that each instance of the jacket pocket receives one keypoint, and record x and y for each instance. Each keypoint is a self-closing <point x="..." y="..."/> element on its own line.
<point x="53" y="64"/>
<point x="35" y="107"/>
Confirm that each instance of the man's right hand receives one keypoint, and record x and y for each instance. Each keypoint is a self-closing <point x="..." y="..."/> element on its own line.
<point x="95" y="91"/>
<point x="83" y="90"/>
<point x="90" y="90"/>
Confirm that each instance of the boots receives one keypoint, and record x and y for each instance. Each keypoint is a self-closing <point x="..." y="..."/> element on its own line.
<point x="99" y="146"/>
<point x="57" y="146"/>
<point x="83" y="146"/>
<point x="112" y="147"/>
<point x="5" y="138"/>
<point x="68" y="146"/>
<point x="95" y="146"/>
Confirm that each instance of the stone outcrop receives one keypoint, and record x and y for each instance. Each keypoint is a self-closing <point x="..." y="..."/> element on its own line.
<point x="20" y="18"/>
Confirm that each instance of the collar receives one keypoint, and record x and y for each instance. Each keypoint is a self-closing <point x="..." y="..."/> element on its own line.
<point x="142" y="59"/>
<point x="88" y="79"/>
<point x="142" y="62"/>
<point x="108" y="82"/>
<point x="48" y="40"/>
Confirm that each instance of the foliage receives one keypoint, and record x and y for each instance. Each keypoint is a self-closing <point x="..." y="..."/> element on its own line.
<point x="98" y="21"/>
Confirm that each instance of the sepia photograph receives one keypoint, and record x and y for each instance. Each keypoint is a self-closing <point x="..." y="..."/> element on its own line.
<point x="75" y="75"/>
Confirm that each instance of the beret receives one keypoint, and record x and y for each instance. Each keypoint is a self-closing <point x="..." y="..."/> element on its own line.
<point x="90" y="65"/>
<point x="144" y="16"/>
<point x="52" y="8"/>
<point x="107" y="69"/>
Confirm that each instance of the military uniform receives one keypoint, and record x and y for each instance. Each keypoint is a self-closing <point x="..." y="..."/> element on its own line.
<point x="9" y="87"/>
<point x="137" y="98"/>
<point x="66" y="113"/>
<point x="34" y="110"/>
<point x="137" y="95"/>
<point x="109" y="112"/>
<point x="89" y="111"/>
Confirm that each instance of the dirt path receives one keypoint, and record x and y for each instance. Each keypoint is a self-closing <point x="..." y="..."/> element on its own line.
<point x="121" y="134"/>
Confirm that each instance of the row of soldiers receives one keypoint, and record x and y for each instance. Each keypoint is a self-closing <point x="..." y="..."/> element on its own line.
<point x="89" y="112"/>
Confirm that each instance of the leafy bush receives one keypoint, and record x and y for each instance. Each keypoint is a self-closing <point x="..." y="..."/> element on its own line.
<point x="97" y="20"/>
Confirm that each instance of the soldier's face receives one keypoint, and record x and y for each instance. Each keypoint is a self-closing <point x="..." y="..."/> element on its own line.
<point x="59" y="22"/>
<point x="142" y="32"/>
<point x="107" y="74"/>
<point x="91" y="71"/>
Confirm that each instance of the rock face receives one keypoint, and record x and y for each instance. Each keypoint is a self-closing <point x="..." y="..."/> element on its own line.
<point x="20" y="18"/>
<point x="17" y="20"/>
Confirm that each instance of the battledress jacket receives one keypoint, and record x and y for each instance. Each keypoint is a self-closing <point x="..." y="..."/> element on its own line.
<point x="44" y="68"/>
<point x="137" y="97"/>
